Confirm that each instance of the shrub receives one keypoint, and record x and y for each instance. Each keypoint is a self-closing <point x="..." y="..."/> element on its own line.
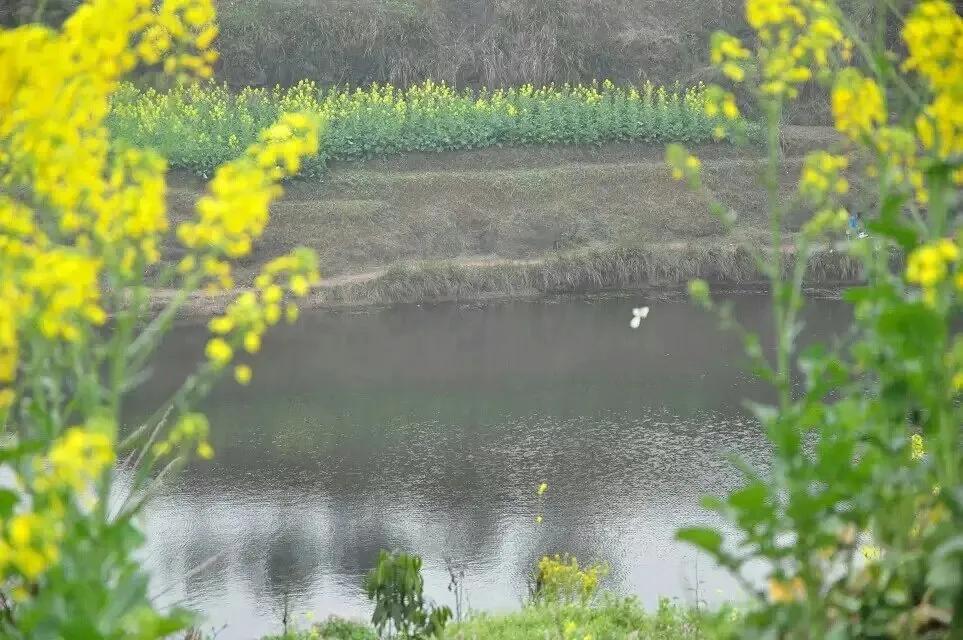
<point x="397" y="589"/>
<point x="560" y="580"/>
<point x="334" y="628"/>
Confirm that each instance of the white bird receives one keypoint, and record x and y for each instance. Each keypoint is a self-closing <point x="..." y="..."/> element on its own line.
<point x="638" y="315"/>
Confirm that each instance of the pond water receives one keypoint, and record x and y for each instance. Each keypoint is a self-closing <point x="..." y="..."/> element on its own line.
<point x="429" y="428"/>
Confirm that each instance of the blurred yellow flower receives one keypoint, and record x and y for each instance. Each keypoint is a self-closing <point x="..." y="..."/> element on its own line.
<point x="242" y="374"/>
<point x="218" y="352"/>
<point x="916" y="447"/>
<point x="787" y="591"/>
<point x="205" y="451"/>
<point x="857" y="104"/>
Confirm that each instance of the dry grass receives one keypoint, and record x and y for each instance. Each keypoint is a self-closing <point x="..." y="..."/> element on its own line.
<point x="589" y="270"/>
<point x="520" y="222"/>
<point x="368" y="216"/>
<point x="474" y="42"/>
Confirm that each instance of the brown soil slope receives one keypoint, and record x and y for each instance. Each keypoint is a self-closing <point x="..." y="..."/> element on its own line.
<point x="522" y="221"/>
<point x="507" y="203"/>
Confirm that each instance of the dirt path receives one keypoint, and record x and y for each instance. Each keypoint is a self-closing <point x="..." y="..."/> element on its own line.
<point x="206" y="304"/>
<point x="468" y="261"/>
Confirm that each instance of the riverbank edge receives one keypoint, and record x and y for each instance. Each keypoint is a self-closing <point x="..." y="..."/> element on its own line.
<point x="609" y="617"/>
<point x="654" y="267"/>
<point x="475" y="225"/>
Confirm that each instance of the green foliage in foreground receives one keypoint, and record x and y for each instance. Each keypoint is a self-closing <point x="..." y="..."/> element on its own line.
<point x="333" y="628"/>
<point x="198" y="127"/>
<point x="612" y="619"/>
<point x="857" y="517"/>
<point x="396" y="586"/>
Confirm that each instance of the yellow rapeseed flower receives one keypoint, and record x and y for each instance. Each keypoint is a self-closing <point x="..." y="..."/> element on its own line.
<point x="733" y="71"/>
<point x="927" y="265"/>
<point x="917" y="450"/>
<point x="221" y="325"/>
<point x="729" y="108"/>
<point x="205" y="451"/>
<point x="252" y="342"/>
<point x="242" y="374"/>
<point x="821" y="176"/>
<point x="871" y="553"/>
<point x="948" y="249"/>
<point x="79" y="457"/>
<point x="932" y="33"/>
<point x="794" y="36"/>
<point x="235" y="212"/>
<point x="857" y="104"/>
<point x="787" y="591"/>
<point x="299" y="285"/>
<point x="218" y="352"/>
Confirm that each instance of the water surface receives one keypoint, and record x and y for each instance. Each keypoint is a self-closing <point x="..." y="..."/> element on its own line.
<point x="428" y="429"/>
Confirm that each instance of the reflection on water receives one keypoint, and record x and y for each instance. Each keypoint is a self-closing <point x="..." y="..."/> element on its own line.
<point x="429" y="428"/>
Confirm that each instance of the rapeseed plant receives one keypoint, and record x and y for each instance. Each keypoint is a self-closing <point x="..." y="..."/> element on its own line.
<point x="202" y="125"/>
<point x="82" y="226"/>
<point x="857" y="516"/>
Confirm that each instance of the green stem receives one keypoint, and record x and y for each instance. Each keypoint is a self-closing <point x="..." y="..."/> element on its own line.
<point x="879" y="260"/>
<point x="123" y="334"/>
<point x="938" y="185"/>
<point x="178" y="398"/>
<point x="36" y="373"/>
<point x="38" y="13"/>
<point x="142" y="346"/>
<point x="880" y="25"/>
<point x="773" y="111"/>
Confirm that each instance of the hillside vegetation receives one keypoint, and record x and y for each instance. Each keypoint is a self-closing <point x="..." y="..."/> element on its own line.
<point x="476" y="43"/>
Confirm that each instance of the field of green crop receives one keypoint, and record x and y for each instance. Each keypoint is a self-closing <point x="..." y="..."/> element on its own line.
<point x="198" y="127"/>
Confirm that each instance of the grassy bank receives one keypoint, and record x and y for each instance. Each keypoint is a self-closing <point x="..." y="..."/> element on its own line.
<point x="199" y="127"/>
<point x="585" y="270"/>
<point x="522" y="221"/>
<point x="614" y="619"/>
<point x="596" y="269"/>
<point x="510" y="203"/>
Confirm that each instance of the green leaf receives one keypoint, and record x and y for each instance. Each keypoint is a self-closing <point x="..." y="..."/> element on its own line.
<point x="946" y="570"/>
<point x="712" y="503"/>
<point x="705" y="538"/>
<point x="903" y="234"/>
<point x="749" y="498"/>
<point x="859" y="295"/>
<point x="8" y="500"/>
<point x="764" y="413"/>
